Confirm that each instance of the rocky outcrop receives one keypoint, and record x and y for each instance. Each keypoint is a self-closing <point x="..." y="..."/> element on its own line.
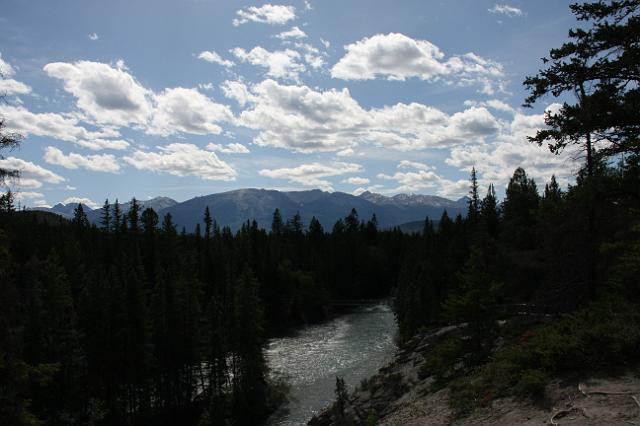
<point x="398" y="396"/>
<point x="395" y="385"/>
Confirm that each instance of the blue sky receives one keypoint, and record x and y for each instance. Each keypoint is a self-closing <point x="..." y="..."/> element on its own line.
<point x="143" y="98"/>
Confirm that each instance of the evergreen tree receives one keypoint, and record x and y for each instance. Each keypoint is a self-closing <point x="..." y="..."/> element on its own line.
<point x="117" y="216"/>
<point x="207" y="223"/>
<point x="277" y="225"/>
<point x="247" y="340"/>
<point x="133" y="214"/>
<point x="599" y="66"/>
<point x="80" y="219"/>
<point x="105" y="218"/>
<point x="474" y="198"/>
<point x="149" y="221"/>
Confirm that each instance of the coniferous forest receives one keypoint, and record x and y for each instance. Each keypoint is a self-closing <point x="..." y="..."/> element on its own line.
<point x="134" y="321"/>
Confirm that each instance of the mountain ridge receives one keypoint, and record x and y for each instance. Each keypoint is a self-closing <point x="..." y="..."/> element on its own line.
<point x="235" y="207"/>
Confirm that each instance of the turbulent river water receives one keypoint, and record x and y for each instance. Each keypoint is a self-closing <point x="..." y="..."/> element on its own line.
<point x="352" y="346"/>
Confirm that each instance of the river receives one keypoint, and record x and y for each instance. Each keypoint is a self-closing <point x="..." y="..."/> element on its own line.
<point x="353" y="346"/>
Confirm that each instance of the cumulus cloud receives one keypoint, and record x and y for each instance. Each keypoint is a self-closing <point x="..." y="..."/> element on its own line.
<point x="182" y="159"/>
<point x="395" y="56"/>
<point x="301" y="119"/>
<point x="31" y="175"/>
<point x="496" y="161"/>
<point x="356" y="181"/>
<point x="82" y="200"/>
<point x="312" y="55"/>
<point x="98" y="163"/>
<point x="505" y="9"/>
<point x="283" y="64"/>
<point x="111" y="96"/>
<point x="6" y="70"/>
<point x="266" y="14"/>
<point x="230" y="148"/>
<point x="313" y="174"/>
<point x="107" y="94"/>
<point x="421" y="179"/>
<point x="13" y="87"/>
<point x="9" y="86"/>
<point x="213" y="57"/>
<point x="93" y="36"/>
<point x="294" y="32"/>
<point x="187" y="110"/>
<point x="237" y="91"/>
<point x="60" y="127"/>
<point x="35" y="199"/>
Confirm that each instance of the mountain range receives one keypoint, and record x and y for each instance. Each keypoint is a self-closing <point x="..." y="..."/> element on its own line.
<point x="233" y="208"/>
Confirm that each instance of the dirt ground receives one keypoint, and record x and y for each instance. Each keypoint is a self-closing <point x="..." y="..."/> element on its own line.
<point x="604" y="401"/>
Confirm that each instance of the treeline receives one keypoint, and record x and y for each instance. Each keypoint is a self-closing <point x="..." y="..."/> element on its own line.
<point x="551" y="252"/>
<point x="134" y="322"/>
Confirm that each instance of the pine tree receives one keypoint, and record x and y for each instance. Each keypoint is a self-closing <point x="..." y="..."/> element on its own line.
<point x="489" y="213"/>
<point x="80" y="219"/>
<point x="247" y="340"/>
<point x="207" y="223"/>
<point x="133" y="214"/>
<point x="117" y="216"/>
<point x="474" y="198"/>
<point x="599" y="67"/>
<point x="149" y="221"/>
<point x="277" y="226"/>
<point x="105" y="219"/>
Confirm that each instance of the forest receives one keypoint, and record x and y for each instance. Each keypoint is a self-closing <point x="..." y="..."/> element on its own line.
<point x="136" y="322"/>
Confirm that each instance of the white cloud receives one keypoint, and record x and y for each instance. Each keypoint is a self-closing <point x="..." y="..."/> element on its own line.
<point x="13" y="87"/>
<point x="312" y="174"/>
<point x="182" y="159"/>
<point x="6" y="70"/>
<point x="356" y="181"/>
<point x="395" y="56"/>
<point x="345" y="152"/>
<point x="70" y="188"/>
<point x="31" y="175"/>
<point x="213" y="57"/>
<point x="312" y="55"/>
<point x="93" y="36"/>
<point x="495" y="162"/>
<point x="230" y="148"/>
<point x="505" y="9"/>
<point x="98" y="163"/>
<point x="206" y="86"/>
<point x="80" y="200"/>
<point x="108" y="95"/>
<point x="266" y="14"/>
<point x="279" y="64"/>
<point x="427" y="179"/>
<point x="238" y="91"/>
<point x="325" y="43"/>
<point x="406" y="164"/>
<point x="294" y="32"/>
<point x="35" y="199"/>
<point x="9" y="86"/>
<point x="187" y="110"/>
<point x="60" y="127"/>
<point x="23" y="195"/>
<point x="304" y="120"/>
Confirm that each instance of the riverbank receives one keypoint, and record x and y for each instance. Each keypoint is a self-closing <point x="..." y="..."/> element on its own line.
<point x="310" y="359"/>
<point x="404" y="393"/>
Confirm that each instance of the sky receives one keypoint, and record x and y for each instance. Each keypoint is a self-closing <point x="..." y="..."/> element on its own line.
<point x="186" y="98"/>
